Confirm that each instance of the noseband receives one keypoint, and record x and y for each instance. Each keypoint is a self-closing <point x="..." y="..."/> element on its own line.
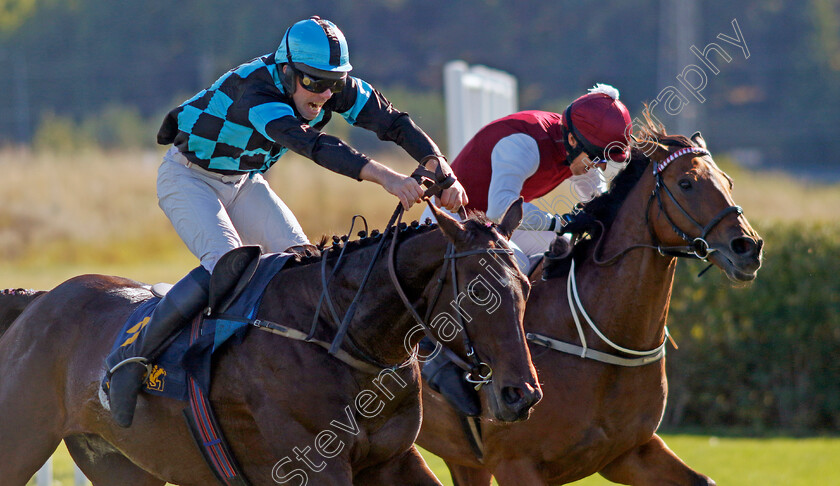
<point x="476" y="371"/>
<point x="697" y="247"/>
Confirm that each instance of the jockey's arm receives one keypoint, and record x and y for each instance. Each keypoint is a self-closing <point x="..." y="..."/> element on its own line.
<point x="404" y="187"/>
<point x="332" y="153"/>
<point x="514" y="159"/>
<point x="379" y="115"/>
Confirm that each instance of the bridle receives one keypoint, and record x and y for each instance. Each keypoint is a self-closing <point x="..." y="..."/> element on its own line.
<point x="477" y="372"/>
<point x="696" y="247"/>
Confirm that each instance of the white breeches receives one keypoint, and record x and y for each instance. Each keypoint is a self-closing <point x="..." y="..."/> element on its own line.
<point x="214" y="214"/>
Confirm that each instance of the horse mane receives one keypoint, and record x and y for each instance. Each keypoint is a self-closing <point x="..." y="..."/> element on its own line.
<point x="605" y="207"/>
<point x="476" y="224"/>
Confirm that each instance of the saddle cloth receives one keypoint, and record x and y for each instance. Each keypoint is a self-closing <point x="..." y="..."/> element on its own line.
<point x="171" y="370"/>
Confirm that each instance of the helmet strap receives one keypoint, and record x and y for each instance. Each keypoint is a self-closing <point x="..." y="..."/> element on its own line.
<point x="572" y="152"/>
<point x="287" y="78"/>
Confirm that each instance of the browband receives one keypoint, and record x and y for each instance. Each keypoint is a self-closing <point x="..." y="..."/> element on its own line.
<point x="658" y="168"/>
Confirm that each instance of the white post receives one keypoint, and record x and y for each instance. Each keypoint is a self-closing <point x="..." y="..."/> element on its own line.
<point x="475" y="96"/>
<point x="44" y="476"/>
<point x="79" y="477"/>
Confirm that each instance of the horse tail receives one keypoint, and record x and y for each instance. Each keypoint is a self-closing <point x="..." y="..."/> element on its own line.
<point x="12" y="304"/>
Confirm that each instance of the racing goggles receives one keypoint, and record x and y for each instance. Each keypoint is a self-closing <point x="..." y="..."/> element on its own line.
<point x="319" y="85"/>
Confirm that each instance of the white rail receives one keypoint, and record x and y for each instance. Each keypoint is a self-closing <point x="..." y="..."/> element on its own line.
<point x="44" y="476"/>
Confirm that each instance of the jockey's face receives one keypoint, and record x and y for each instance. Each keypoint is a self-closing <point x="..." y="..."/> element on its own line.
<point x="582" y="163"/>
<point x="308" y="104"/>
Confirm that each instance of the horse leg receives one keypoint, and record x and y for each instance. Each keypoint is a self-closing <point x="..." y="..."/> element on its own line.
<point x="518" y="472"/>
<point x="21" y="457"/>
<point x="407" y="469"/>
<point x="31" y="415"/>
<point x="653" y="463"/>
<point x="105" y="465"/>
<point x="468" y="476"/>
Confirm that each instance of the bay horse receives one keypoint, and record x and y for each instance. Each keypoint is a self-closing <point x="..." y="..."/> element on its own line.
<point x="599" y="417"/>
<point x="13" y="303"/>
<point x="290" y="411"/>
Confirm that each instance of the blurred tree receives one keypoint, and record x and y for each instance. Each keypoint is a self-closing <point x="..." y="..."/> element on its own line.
<point x="76" y="57"/>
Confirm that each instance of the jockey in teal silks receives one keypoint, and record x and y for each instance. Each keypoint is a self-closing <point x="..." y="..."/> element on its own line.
<point x="211" y="185"/>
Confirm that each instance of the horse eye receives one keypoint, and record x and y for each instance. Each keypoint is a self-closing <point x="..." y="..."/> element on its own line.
<point x="685" y="184"/>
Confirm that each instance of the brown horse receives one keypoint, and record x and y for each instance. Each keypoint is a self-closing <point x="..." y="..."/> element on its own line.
<point x="596" y="416"/>
<point x="290" y="411"/>
<point x="13" y="303"/>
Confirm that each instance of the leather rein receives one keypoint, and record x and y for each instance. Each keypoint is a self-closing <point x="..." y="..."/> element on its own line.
<point x="476" y="371"/>
<point x="696" y="248"/>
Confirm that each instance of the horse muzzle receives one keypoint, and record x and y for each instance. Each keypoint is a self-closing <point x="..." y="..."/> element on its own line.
<point x="513" y="403"/>
<point x="740" y="259"/>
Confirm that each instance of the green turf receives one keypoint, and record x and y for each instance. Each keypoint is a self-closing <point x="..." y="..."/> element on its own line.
<point x="732" y="461"/>
<point x="742" y="462"/>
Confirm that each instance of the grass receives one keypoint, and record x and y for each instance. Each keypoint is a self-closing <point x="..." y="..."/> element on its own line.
<point x="97" y="212"/>
<point x="740" y="461"/>
<point x="746" y="462"/>
<point x="728" y="460"/>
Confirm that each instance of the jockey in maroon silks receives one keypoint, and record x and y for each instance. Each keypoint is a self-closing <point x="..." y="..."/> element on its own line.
<point x="529" y="154"/>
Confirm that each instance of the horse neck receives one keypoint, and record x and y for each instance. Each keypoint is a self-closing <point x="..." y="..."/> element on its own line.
<point x="628" y="301"/>
<point x="381" y="321"/>
<point x="384" y="327"/>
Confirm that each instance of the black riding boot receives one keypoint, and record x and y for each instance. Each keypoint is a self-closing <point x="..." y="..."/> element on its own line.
<point x="128" y="365"/>
<point x="446" y="378"/>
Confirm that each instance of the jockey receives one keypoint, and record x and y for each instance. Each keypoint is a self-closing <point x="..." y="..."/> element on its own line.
<point x="210" y="184"/>
<point x="529" y="154"/>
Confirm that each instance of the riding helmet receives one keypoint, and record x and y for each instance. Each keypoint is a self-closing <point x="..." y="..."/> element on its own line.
<point x="316" y="44"/>
<point x="600" y="121"/>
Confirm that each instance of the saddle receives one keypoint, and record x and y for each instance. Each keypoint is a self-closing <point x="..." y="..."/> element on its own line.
<point x="182" y="371"/>
<point x="236" y="289"/>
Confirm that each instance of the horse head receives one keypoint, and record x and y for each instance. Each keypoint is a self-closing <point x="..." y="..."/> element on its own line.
<point x="691" y="204"/>
<point x="477" y="312"/>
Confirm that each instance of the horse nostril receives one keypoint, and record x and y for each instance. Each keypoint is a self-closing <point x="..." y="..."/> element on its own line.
<point x="744" y="245"/>
<point x="512" y="395"/>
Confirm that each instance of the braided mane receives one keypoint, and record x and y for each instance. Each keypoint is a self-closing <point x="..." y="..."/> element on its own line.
<point x="476" y="224"/>
<point x="605" y="207"/>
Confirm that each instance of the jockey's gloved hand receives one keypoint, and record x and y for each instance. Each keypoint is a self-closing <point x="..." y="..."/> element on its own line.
<point x="575" y="222"/>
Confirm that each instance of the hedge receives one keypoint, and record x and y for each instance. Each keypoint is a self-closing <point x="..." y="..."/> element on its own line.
<point x="763" y="357"/>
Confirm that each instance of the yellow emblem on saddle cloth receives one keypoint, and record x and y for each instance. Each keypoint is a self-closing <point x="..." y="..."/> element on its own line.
<point x="156" y="377"/>
<point x="134" y="331"/>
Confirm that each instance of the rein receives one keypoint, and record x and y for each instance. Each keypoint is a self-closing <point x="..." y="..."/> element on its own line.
<point x="477" y="372"/>
<point x="696" y="248"/>
<point x="642" y="357"/>
<point x="435" y="182"/>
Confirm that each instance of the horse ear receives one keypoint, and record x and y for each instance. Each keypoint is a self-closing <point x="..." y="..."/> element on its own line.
<point x="699" y="140"/>
<point x="512" y="218"/>
<point x="451" y="227"/>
